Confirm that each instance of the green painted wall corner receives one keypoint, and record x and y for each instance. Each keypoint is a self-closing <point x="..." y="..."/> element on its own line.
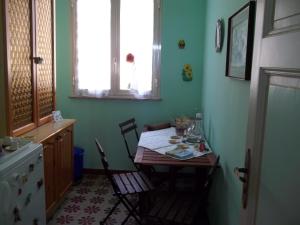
<point x="100" y="118"/>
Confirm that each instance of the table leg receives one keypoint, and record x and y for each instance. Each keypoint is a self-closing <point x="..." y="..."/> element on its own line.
<point x="172" y="178"/>
<point x="200" y="174"/>
<point x="144" y="198"/>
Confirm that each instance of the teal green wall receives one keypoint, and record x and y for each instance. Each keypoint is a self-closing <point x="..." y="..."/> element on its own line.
<point x="225" y="104"/>
<point x="100" y="118"/>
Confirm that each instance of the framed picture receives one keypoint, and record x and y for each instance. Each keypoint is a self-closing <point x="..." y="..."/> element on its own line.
<point x="240" y="42"/>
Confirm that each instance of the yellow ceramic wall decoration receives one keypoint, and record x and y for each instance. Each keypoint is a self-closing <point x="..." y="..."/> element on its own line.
<point x="181" y="44"/>
<point x="187" y="72"/>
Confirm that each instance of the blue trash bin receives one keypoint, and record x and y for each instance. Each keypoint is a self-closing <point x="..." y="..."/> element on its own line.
<point x="78" y="163"/>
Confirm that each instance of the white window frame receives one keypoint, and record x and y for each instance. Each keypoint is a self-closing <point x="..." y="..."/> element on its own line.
<point x="115" y="92"/>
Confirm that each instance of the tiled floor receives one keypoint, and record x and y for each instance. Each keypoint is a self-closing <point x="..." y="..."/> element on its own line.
<point x="88" y="203"/>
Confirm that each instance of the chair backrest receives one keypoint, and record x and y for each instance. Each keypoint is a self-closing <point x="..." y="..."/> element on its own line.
<point x="127" y="127"/>
<point x="105" y="164"/>
<point x="103" y="159"/>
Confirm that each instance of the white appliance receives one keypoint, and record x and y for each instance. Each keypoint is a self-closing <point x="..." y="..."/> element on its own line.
<point x="22" y="194"/>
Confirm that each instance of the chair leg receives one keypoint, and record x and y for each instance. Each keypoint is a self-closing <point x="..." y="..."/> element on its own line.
<point x="131" y="209"/>
<point x="110" y="212"/>
<point x="131" y="214"/>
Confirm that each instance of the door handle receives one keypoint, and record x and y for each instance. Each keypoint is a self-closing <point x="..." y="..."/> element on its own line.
<point x="238" y="172"/>
<point x="243" y="176"/>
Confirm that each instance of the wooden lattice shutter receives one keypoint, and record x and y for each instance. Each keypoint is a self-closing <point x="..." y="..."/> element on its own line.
<point x="30" y="63"/>
<point x="20" y="79"/>
<point x="44" y="49"/>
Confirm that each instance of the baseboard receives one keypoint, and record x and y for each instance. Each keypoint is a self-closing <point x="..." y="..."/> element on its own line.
<point x="101" y="171"/>
<point x="93" y="171"/>
<point x="158" y="173"/>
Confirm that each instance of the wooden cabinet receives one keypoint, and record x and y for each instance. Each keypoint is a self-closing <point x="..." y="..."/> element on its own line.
<point x="29" y="64"/>
<point x="57" y="140"/>
<point x="58" y="159"/>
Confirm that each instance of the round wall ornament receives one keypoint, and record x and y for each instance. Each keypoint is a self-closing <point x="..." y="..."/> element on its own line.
<point x="219" y="35"/>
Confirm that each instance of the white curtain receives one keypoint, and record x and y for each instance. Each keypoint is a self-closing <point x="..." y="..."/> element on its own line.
<point x="93" y="47"/>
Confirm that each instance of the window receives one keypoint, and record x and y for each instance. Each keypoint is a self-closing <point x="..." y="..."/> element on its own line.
<point x="116" y="48"/>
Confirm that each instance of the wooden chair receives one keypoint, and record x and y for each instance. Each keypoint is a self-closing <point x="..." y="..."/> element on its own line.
<point x="182" y="208"/>
<point x="125" y="184"/>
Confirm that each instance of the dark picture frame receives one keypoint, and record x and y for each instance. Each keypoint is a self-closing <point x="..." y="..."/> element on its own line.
<point x="240" y="42"/>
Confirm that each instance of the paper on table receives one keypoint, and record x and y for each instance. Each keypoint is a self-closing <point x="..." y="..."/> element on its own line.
<point x="196" y="153"/>
<point x="159" y="141"/>
<point x="156" y="139"/>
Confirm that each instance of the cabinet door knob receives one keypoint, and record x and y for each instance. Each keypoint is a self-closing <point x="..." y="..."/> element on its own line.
<point x="59" y="138"/>
<point x="38" y="60"/>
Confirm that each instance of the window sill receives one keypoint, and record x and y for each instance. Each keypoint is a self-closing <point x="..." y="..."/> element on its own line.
<point x="116" y="98"/>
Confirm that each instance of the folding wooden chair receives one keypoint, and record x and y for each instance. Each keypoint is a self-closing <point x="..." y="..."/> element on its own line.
<point x="125" y="184"/>
<point x="182" y="208"/>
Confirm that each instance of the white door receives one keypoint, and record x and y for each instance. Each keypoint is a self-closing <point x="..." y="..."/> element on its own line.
<point x="274" y="117"/>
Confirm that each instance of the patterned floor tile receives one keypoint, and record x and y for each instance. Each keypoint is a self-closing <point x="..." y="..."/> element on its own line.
<point x="88" y="202"/>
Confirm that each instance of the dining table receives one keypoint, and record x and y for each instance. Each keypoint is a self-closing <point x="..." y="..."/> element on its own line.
<point x="147" y="159"/>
